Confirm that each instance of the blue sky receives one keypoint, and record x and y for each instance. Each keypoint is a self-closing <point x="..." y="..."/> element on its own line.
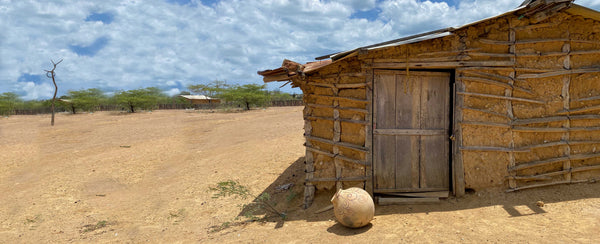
<point x="130" y="44"/>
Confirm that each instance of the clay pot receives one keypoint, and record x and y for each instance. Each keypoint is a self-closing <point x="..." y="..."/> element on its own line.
<point x="353" y="207"/>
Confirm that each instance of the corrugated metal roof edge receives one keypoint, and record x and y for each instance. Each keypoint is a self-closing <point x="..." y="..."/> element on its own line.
<point x="339" y="55"/>
<point x="574" y="9"/>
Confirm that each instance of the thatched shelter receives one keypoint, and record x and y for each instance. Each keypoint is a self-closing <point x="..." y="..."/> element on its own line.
<point x="508" y="102"/>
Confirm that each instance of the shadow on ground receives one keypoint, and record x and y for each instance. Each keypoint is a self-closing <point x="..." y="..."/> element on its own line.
<point x="516" y="204"/>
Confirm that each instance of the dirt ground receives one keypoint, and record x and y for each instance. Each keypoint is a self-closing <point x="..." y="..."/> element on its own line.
<point x="111" y="177"/>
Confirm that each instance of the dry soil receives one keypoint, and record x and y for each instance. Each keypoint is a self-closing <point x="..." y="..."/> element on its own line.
<point x="113" y="177"/>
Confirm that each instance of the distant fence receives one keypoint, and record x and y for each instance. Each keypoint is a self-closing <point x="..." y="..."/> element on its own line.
<point x="284" y="103"/>
<point x="111" y="107"/>
<point x="33" y="111"/>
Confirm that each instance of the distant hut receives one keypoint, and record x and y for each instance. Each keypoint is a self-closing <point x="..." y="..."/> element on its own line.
<point x="511" y="101"/>
<point x="201" y="99"/>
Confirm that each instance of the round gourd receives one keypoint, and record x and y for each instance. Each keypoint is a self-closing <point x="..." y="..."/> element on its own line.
<point x="353" y="207"/>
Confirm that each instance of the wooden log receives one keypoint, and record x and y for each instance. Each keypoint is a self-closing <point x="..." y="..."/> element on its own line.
<point x="319" y="151"/>
<point x="490" y="76"/>
<point x="533" y="41"/>
<point x="458" y="57"/>
<point x="362" y="122"/>
<point x="539" y="120"/>
<point x="343" y="144"/>
<point x="492" y="55"/>
<point x="587" y="99"/>
<point x="494" y="149"/>
<point x="553" y="160"/>
<point x="545" y="14"/>
<point x="537" y="185"/>
<point x="403" y="65"/>
<point x="309" y="188"/>
<point x="550" y="144"/>
<point x="500" y="97"/>
<point x="537" y="163"/>
<point x="509" y="93"/>
<point x="334" y="156"/>
<point x="484" y="111"/>
<point x="282" y="77"/>
<point x="484" y="123"/>
<point x="579" y="110"/>
<point x="557" y="143"/>
<point x="507" y="68"/>
<point x="356" y="178"/>
<point x="553" y="129"/>
<point x="536" y="26"/>
<point x="549" y="184"/>
<point x="338" y="107"/>
<point x="495" y="83"/>
<point x="336" y="85"/>
<point x="339" y="98"/>
<point x="410" y="132"/>
<point x="447" y="53"/>
<point x="350" y="74"/>
<point x="550" y="54"/>
<point x="458" y="179"/>
<point x="368" y="131"/>
<point x="351" y="85"/>
<point x="539" y="129"/>
<point x="584" y="116"/>
<point x="585" y="168"/>
<point x="558" y="73"/>
<point x="338" y="168"/>
<point x="536" y="177"/>
<point x="566" y="105"/>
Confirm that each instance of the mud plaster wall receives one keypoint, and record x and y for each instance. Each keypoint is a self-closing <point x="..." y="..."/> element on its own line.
<point x="485" y="169"/>
<point x="488" y="169"/>
<point x="320" y="89"/>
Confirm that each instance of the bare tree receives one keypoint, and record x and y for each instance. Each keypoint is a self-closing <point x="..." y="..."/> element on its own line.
<point x="51" y="74"/>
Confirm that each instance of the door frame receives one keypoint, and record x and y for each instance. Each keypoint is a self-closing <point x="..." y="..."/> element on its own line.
<point x="456" y="170"/>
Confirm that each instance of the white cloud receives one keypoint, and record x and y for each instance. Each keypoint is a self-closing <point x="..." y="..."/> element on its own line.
<point x="34" y="91"/>
<point x="173" y="91"/>
<point x="594" y="4"/>
<point x="154" y="42"/>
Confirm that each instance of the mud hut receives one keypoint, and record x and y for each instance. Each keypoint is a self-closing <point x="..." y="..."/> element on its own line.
<point x="511" y="102"/>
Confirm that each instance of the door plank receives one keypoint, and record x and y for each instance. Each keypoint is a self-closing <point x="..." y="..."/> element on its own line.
<point x="435" y="98"/>
<point x="385" y="146"/>
<point x="407" y="117"/>
<point x="411" y="132"/>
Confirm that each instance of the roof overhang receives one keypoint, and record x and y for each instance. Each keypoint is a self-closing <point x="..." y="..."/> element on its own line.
<point x="528" y="8"/>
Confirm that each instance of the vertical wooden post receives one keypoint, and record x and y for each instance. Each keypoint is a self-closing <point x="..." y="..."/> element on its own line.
<point x="309" y="189"/>
<point x="566" y="105"/>
<point x="512" y="183"/>
<point x="337" y="136"/>
<point x="369" y="79"/>
<point x="458" y="170"/>
<point x="458" y="178"/>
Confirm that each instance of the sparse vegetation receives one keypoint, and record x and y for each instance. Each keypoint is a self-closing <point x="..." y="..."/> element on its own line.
<point x="177" y="216"/>
<point x="234" y="188"/>
<point x="92" y="227"/>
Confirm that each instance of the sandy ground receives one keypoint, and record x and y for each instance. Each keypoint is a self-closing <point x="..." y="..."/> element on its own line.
<point x="111" y="177"/>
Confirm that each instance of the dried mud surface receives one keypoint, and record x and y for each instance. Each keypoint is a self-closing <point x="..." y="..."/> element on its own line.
<point x="145" y="177"/>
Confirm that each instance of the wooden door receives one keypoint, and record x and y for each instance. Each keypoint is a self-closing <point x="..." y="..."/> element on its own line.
<point x="411" y="126"/>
